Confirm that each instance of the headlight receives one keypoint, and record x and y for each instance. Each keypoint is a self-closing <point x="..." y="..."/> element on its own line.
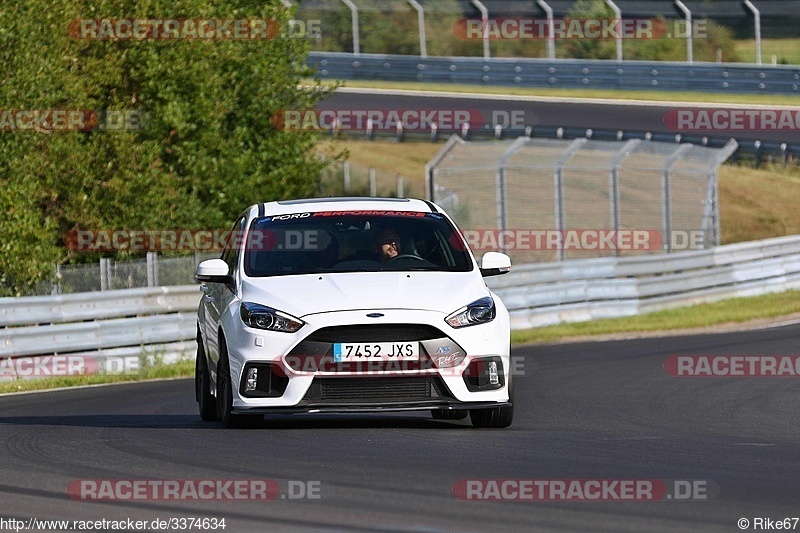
<point x="263" y="317"/>
<point x="478" y="312"/>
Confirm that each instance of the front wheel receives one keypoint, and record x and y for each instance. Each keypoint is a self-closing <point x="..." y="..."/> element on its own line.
<point x="202" y="384"/>
<point x="225" y="395"/>
<point x="498" y="417"/>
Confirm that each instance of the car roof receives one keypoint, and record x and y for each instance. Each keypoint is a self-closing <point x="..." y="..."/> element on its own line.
<point x="284" y="207"/>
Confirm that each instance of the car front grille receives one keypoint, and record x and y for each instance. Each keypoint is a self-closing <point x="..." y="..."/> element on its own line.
<point x="376" y="389"/>
<point x="376" y="333"/>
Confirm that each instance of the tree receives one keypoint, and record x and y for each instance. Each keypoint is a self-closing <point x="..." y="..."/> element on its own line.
<point x="205" y="148"/>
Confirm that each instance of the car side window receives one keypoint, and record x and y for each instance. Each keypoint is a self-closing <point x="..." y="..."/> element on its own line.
<point x="231" y="252"/>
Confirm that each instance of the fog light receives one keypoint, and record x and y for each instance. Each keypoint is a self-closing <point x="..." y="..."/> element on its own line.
<point x="493" y="378"/>
<point x="252" y="379"/>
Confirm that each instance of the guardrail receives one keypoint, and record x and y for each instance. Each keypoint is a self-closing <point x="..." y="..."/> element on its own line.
<point x="97" y="328"/>
<point x="587" y="289"/>
<point x="562" y="73"/>
<point x="160" y="322"/>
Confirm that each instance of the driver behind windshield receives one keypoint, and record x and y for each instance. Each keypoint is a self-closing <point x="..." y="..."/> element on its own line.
<point x="386" y="245"/>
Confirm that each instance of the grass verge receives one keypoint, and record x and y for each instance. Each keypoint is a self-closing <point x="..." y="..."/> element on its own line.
<point x="786" y="51"/>
<point x="656" y="96"/>
<point x="158" y="371"/>
<point x="732" y="311"/>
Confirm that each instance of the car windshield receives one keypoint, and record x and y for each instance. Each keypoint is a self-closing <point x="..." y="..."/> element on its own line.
<point x="353" y="241"/>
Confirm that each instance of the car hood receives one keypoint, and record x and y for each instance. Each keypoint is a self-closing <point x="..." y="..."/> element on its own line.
<point x="308" y="294"/>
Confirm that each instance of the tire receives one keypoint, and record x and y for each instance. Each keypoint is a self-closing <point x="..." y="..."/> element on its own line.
<point x="449" y="414"/>
<point x="224" y="404"/>
<point x="498" y="417"/>
<point x="202" y="384"/>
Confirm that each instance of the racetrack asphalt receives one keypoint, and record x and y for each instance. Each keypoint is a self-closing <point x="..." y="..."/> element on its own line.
<point x="608" y="115"/>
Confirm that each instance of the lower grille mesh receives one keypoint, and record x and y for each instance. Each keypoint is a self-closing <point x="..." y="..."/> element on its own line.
<point x="375" y="388"/>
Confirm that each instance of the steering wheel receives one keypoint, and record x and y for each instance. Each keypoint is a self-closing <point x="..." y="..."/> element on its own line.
<point x="406" y="256"/>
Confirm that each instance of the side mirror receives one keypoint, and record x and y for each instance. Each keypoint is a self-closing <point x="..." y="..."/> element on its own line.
<point x="494" y="264"/>
<point x="213" y="271"/>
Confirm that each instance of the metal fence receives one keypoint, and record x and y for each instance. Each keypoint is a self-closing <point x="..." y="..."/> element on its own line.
<point x="153" y="271"/>
<point x="345" y="179"/>
<point x="441" y="17"/>
<point x="503" y="189"/>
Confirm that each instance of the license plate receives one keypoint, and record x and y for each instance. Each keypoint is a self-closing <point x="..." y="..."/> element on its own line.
<point x="375" y="351"/>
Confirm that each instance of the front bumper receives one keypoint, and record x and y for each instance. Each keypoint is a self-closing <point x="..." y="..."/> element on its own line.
<point x="373" y="408"/>
<point x="305" y="379"/>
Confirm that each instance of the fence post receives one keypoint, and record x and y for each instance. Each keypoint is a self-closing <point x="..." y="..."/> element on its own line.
<point x="502" y="215"/>
<point x="613" y="192"/>
<point x="558" y="186"/>
<point x="551" y="50"/>
<point x="347" y="176"/>
<point x="354" y="20"/>
<point x="423" y="48"/>
<point x="400" y="187"/>
<point x="373" y="185"/>
<point x="666" y="195"/>
<point x="688" y="14"/>
<point x="105" y="271"/>
<point x="152" y="269"/>
<point x="666" y="199"/>
<point x="708" y="223"/>
<point x="55" y="288"/>
<point x="502" y="200"/>
<point x="485" y="26"/>
<point x="757" y="20"/>
<point x="618" y="17"/>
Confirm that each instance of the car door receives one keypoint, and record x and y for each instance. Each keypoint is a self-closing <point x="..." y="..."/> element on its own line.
<point x="217" y="296"/>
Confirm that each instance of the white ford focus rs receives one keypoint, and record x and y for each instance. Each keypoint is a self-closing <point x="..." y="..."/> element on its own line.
<point x="351" y="305"/>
